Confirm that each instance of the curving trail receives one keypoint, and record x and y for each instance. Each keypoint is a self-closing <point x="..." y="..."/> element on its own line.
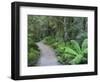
<point x="47" y="55"/>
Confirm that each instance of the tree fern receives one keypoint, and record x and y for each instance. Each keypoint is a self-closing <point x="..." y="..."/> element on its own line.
<point x="77" y="59"/>
<point x="84" y="44"/>
<point x="81" y="51"/>
<point x="75" y="46"/>
<point x="70" y="51"/>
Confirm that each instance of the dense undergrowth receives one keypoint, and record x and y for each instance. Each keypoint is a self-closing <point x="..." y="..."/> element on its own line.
<point x="66" y="35"/>
<point x="70" y="52"/>
<point x="33" y="53"/>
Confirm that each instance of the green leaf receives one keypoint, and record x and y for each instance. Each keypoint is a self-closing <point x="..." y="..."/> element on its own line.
<point x="77" y="59"/>
<point x="85" y="51"/>
<point x="70" y="51"/>
<point x="75" y="46"/>
<point x="84" y="44"/>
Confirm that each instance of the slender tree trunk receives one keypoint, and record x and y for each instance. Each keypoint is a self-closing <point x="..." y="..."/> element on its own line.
<point x="65" y="29"/>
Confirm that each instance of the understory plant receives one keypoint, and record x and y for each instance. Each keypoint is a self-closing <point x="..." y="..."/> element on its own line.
<point x="33" y="54"/>
<point x="49" y="40"/>
<point x="72" y="52"/>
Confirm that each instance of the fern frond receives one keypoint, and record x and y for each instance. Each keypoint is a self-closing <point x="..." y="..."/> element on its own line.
<point x="75" y="46"/>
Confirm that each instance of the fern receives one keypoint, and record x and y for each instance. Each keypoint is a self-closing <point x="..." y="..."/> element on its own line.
<point x="70" y="51"/>
<point x="77" y="59"/>
<point x="81" y="52"/>
<point x="75" y="46"/>
<point x="84" y="44"/>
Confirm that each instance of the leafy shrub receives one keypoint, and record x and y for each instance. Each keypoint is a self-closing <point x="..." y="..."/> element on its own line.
<point x="72" y="53"/>
<point x="49" y="40"/>
<point x="33" y="55"/>
<point x="81" y="52"/>
<point x="63" y="54"/>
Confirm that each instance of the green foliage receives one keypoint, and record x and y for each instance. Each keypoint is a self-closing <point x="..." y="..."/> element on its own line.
<point x="75" y="46"/>
<point x="84" y="44"/>
<point x="49" y="40"/>
<point x="73" y="53"/>
<point x="60" y="27"/>
<point x="66" y="35"/>
<point x="33" y="55"/>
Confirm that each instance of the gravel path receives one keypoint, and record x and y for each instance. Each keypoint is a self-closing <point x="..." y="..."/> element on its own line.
<point x="47" y="56"/>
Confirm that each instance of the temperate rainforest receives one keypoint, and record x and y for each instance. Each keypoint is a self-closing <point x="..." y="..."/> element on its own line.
<point x="57" y="40"/>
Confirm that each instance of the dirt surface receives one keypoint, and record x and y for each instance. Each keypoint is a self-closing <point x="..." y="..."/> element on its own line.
<point x="47" y="55"/>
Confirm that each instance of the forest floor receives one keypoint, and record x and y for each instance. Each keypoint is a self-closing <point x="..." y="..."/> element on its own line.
<point x="47" y="55"/>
